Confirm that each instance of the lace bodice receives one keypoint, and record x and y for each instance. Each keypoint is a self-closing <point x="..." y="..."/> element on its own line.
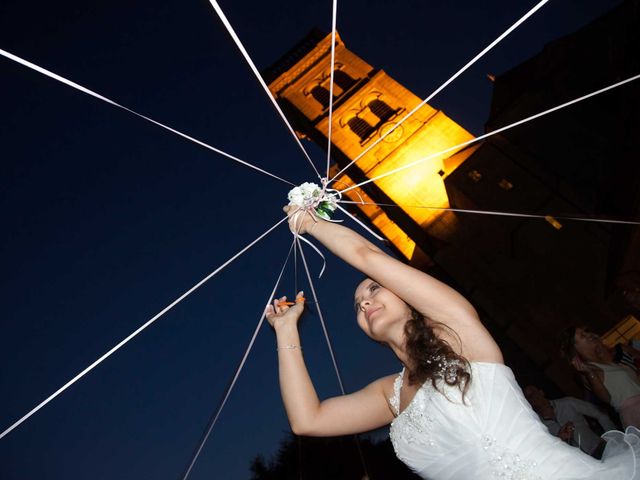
<point x="493" y="434"/>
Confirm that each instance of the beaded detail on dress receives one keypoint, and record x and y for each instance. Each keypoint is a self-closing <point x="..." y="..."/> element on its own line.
<point x="418" y="422"/>
<point x="394" y="401"/>
<point x="415" y="423"/>
<point x="506" y="464"/>
<point x="493" y="434"/>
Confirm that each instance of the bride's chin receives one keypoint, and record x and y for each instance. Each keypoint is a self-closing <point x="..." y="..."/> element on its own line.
<point x="377" y="333"/>
<point x="369" y="333"/>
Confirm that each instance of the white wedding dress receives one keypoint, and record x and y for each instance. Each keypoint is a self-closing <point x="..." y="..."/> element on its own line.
<point x="496" y="435"/>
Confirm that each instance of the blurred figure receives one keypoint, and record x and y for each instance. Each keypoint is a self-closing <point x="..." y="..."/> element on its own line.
<point x="565" y="418"/>
<point x="614" y="383"/>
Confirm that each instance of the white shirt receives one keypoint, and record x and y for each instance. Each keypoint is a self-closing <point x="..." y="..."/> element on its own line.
<point x="620" y="382"/>
<point x="569" y="409"/>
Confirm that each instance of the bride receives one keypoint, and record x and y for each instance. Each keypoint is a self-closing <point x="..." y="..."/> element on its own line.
<point x="455" y="410"/>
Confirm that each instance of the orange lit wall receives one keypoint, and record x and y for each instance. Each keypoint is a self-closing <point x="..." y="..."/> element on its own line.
<point x="426" y="132"/>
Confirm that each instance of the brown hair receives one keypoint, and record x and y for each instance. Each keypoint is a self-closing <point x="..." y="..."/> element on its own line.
<point x="433" y="358"/>
<point x="567" y="340"/>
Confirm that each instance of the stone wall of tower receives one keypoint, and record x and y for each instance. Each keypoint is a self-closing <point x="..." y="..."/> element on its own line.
<point x="367" y="104"/>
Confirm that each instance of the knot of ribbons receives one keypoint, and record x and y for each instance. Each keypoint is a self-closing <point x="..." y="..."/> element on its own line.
<point x="315" y="201"/>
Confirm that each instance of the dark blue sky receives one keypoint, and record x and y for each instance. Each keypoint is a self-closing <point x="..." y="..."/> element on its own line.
<point x="106" y="218"/>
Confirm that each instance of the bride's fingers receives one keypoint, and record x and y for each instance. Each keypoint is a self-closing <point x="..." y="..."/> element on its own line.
<point x="279" y="305"/>
<point x="269" y="313"/>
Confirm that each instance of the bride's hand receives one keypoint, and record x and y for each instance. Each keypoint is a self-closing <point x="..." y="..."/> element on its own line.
<point x="279" y="314"/>
<point x="301" y="221"/>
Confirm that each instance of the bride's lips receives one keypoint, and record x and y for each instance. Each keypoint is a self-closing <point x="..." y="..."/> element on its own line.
<point x="371" y="312"/>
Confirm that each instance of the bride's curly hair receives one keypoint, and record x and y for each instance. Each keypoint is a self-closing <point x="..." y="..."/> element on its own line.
<point x="433" y="358"/>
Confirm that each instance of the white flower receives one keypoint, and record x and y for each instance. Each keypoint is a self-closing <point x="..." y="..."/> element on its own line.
<point x="296" y="197"/>
<point x="306" y="195"/>
<point x="310" y="196"/>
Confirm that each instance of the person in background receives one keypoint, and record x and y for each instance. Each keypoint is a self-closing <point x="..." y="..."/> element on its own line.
<point x="614" y="383"/>
<point x="565" y="418"/>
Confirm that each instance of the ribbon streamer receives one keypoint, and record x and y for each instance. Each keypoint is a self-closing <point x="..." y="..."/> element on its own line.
<point x="451" y="79"/>
<point x="355" y="219"/>
<point x="498" y="213"/>
<point x="71" y="84"/>
<point x="330" y="346"/>
<point x="333" y="61"/>
<point x="298" y="237"/>
<point x="246" y="56"/>
<point x="214" y="418"/>
<point x="322" y="323"/>
<point x="493" y="132"/>
<point x="136" y="332"/>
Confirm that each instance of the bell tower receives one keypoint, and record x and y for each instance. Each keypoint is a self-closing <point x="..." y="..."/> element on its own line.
<point x="367" y="103"/>
<point x="528" y="277"/>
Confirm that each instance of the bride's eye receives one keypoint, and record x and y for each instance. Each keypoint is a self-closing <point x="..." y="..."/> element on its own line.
<point x="373" y="287"/>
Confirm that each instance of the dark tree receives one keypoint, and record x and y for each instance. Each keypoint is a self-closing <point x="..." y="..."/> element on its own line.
<point x="337" y="458"/>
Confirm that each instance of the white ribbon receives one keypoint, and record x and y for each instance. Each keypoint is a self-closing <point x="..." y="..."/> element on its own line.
<point x="493" y="132"/>
<point x="214" y="419"/>
<point x="296" y="233"/>
<point x="355" y="219"/>
<point x="451" y="79"/>
<point x="71" y="84"/>
<point x="137" y="331"/>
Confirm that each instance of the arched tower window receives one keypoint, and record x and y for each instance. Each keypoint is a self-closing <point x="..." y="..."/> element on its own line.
<point x="321" y="94"/>
<point x="343" y="80"/>
<point x="360" y="127"/>
<point x="381" y="109"/>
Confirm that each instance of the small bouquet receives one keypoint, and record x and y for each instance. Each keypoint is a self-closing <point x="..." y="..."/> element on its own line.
<point x="310" y="196"/>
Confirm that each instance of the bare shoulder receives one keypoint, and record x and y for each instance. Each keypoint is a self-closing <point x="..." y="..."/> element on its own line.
<point x="384" y="386"/>
<point x="387" y="382"/>
<point x="471" y="339"/>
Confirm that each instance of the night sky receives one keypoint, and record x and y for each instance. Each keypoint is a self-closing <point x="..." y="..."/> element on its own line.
<point x="106" y="218"/>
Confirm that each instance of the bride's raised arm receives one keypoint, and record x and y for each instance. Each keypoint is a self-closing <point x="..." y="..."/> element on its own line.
<point x="368" y="408"/>
<point x="434" y="299"/>
<point x="358" y="412"/>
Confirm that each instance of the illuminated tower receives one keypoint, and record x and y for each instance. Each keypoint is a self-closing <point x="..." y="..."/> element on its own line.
<point x="527" y="277"/>
<point x="367" y="104"/>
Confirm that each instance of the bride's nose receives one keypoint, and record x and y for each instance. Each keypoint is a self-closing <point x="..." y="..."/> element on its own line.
<point x="364" y="304"/>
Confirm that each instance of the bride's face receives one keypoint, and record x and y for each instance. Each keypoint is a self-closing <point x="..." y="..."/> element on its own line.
<point x="378" y="310"/>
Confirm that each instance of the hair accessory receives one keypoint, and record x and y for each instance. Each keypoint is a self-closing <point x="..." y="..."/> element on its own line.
<point x="447" y="369"/>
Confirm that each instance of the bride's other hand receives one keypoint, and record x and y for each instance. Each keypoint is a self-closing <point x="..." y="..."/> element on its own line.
<point x="300" y="221"/>
<point x="279" y="314"/>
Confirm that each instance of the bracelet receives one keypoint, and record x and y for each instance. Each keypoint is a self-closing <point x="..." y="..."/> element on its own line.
<point x="289" y="347"/>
